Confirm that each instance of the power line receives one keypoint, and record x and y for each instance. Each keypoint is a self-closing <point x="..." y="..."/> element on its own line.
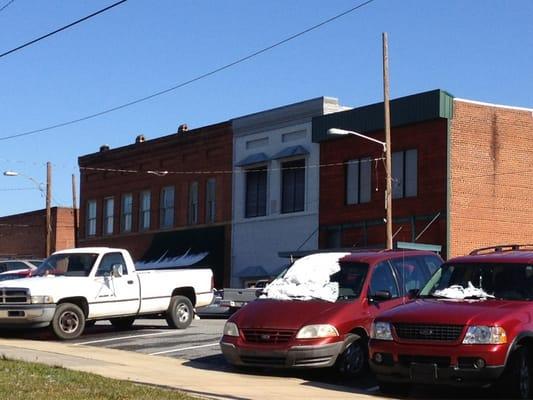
<point x="60" y="29"/>
<point x="190" y="81"/>
<point x="6" y="5"/>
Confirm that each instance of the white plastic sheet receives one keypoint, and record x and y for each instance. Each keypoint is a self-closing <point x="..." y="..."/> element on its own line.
<point x="308" y="278"/>
<point x="459" y="292"/>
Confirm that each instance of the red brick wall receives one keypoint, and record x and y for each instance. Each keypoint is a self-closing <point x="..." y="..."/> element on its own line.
<point x="491" y="177"/>
<point x="430" y="139"/>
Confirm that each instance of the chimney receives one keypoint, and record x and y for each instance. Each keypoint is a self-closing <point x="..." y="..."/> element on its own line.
<point x="183" y="128"/>
<point x="140" y="139"/>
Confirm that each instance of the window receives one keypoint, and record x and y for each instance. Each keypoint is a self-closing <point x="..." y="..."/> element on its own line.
<point x="144" y="210"/>
<point x="193" y="203"/>
<point x="292" y="186"/>
<point x="404" y="174"/>
<point x="383" y="280"/>
<point x="167" y="207"/>
<point x="106" y="265"/>
<point x="109" y="215"/>
<point x="256" y="191"/>
<point x="358" y="181"/>
<point x="210" y="201"/>
<point x="126" y="217"/>
<point x="411" y="272"/>
<point x="91" y="218"/>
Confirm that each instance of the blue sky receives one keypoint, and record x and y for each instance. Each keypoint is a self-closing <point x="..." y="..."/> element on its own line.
<point x="475" y="49"/>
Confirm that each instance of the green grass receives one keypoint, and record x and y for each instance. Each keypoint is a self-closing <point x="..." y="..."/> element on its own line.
<point x="21" y="380"/>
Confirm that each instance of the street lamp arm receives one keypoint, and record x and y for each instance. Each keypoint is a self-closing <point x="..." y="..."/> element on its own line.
<point x="337" y="131"/>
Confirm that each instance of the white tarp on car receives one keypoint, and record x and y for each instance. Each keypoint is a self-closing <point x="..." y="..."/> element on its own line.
<point x="308" y="278"/>
<point x="459" y="292"/>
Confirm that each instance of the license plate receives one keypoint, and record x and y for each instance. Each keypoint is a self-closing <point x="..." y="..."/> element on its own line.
<point x="423" y="372"/>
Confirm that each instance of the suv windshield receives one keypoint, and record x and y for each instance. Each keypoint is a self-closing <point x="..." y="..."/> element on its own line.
<point x="350" y="278"/>
<point x="67" y="264"/>
<point x="476" y="280"/>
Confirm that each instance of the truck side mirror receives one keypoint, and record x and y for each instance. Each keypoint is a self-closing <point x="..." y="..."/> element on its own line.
<point x="413" y="293"/>
<point x="116" y="270"/>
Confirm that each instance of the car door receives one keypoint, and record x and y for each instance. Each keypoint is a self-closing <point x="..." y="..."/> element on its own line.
<point x="383" y="280"/>
<point x="115" y="295"/>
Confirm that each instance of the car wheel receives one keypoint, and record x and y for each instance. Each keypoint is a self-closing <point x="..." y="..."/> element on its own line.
<point x="353" y="361"/>
<point x="68" y="321"/>
<point x="122" y="323"/>
<point x="180" y="312"/>
<point x="515" y="382"/>
<point x="394" y="388"/>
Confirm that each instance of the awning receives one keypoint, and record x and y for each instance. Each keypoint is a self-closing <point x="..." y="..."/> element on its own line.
<point x="255" y="158"/>
<point x="291" y="152"/>
<point x="255" y="271"/>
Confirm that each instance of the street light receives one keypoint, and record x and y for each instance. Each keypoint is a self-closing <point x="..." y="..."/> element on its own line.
<point x="388" y="194"/>
<point x="48" y="196"/>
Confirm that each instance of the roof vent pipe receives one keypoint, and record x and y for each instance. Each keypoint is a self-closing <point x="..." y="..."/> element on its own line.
<point x="140" y="139"/>
<point x="183" y="128"/>
<point x="104" y="147"/>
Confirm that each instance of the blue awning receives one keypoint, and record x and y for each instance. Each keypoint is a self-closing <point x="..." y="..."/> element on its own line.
<point x="291" y="152"/>
<point x="255" y="271"/>
<point x="255" y="158"/>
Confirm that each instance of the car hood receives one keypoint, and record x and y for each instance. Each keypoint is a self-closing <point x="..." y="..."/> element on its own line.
<point x="46" y="285"/>
<point x="285" y="314"/>
<point x="455" y="312"/>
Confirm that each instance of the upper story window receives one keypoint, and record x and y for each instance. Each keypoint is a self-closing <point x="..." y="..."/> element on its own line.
<point x="210" y="200"/>
<point x="293" y="186"/>
<point x="193" y="203"/>
<point x="91" y="218"/>
<point x="358" y="181"/>
<point x="145" y="199"/>
<point x="109" y="215"/>
<point x="167" y="207"/>
<point x="256" y="192"/>
<point x="404" y="174"/>
<point x="127" y="208"/>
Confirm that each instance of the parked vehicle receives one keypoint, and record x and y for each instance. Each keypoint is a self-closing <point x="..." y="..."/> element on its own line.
<point x="471" y="325"/>
<point x="16" y="269"/>
<point x="319" y="333"/>
<point x="74" y="286"/>
<point x="236" y="298"/>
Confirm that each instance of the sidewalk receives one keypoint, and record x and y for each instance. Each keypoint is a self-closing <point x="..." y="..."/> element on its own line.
<point x="171" y="372"/>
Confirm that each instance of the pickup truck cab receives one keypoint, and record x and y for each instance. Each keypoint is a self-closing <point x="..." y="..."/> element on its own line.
<point x="472" y="324"/>
<point x="78" y="286"/>
<point x="318" y="333"/>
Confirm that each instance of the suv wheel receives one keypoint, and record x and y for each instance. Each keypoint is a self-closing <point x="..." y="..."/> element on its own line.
<point x="515" y="382"/>
<point x="353" y="361"/>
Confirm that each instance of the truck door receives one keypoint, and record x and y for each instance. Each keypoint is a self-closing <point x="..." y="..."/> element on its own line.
<point x="115" y="296"/>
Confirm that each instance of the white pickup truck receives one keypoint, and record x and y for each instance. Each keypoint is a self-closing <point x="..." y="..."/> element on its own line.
<point x="73" y="288"/>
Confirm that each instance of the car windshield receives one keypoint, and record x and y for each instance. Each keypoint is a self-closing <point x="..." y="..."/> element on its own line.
<point x="350" y="278"/>
<point x="67" y="264"/>
<point x="481" y="281"/>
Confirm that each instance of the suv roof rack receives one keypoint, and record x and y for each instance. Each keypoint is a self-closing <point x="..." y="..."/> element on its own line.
<point x="501" y="248"/>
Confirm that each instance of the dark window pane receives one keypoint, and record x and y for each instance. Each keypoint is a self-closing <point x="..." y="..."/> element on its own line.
<point x="293" y="186"/>
<point x="411" y="173"/>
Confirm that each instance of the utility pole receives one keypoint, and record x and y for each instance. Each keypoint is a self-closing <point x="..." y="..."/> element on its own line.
<point x="75" y="209"/>
<point x="48" y="210"/>
<point x="388" y="163"/>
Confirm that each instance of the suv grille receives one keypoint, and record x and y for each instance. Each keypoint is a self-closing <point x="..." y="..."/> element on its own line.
<point x="14" y="296"/>
<point x="445" y="333"/>
<point x="267" y="335"/>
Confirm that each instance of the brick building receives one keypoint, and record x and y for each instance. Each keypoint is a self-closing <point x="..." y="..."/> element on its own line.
<point x="165" y="197"/>
<point x="462" y="174"/>
<point x="24" y="236"/>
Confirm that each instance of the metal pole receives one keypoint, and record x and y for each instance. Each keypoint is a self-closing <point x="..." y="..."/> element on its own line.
<point x="48" y="211"/>
<point x="388" y="192"/>
<point x="75" y="209"/>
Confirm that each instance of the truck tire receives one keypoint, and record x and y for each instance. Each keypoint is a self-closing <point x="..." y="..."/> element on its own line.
<point x="353" y="361"/>
<point x="515" y="382"/>
<point x="122" y="323"/>
<point x="180" y="312"/>
<point x="68" y="322"/>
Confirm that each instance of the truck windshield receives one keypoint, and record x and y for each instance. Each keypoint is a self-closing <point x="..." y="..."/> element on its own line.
<point x="350" y="278"/>
<point x="476" y="280"/>
<point x="67" y="264"/>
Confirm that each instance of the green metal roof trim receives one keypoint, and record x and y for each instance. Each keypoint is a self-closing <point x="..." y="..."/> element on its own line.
<point x="404" y="110"/>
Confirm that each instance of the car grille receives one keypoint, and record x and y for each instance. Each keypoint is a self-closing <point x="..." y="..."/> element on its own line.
<point x="441" y="362"/>
<point x="14" y="296"/>
<point x="444" y="333"/>
<point x="271" y="336"/>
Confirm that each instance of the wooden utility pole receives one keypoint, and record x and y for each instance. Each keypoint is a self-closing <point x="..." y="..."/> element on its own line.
<point x="75" y="209"/>
<point x="48" y="210"/>
<point x="388" y="163"/>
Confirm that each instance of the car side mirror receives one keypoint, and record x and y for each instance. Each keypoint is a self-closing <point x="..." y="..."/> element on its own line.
<point x="116" y="270"/>
<point x="380" y="295"/>
<point x="413" y="293"/>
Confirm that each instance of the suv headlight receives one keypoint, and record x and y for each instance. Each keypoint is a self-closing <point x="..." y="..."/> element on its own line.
<point x="231" y="329"/>
<point x="41" y="299"/>
<point x="317" y="331"/>
<point x="381" y="331"/>
<point x="485" y="335"/>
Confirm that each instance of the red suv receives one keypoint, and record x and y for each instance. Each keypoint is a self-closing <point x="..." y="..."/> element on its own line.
<point x="319" y="333"/>
<point x="472" y="324"/>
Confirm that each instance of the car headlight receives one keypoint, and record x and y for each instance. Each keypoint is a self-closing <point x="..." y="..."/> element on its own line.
<point x="381" y="331"/>
<point x="317" y="331"/>
<point x="231" y="329"/>
<point x="41" y="299"/>
<point x="485" y="335"/>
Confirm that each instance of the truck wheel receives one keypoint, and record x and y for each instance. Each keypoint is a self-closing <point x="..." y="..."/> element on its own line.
<point x="122" y="323"/>
<point x="353" y="361"/>
<point x="68" y="321"/>
<point x="394" y="388"/>
<point x="515" y="382"/>
<point x="180" y="312"/>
